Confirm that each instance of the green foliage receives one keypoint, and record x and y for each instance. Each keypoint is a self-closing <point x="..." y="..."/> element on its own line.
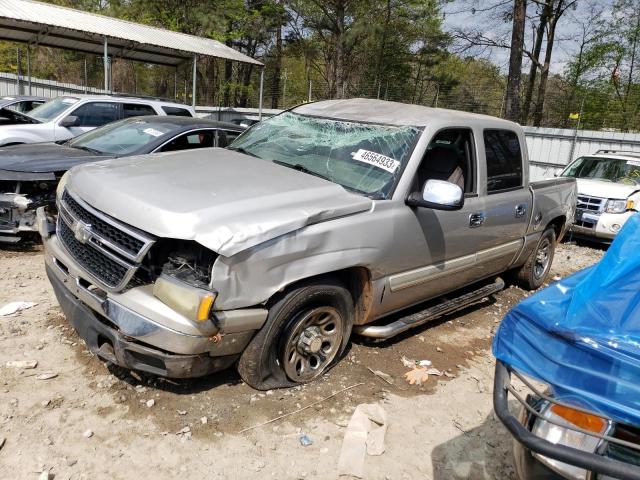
<point x="390" y="49"/>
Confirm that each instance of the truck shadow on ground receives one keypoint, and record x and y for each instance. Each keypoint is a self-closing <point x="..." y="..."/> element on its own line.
<point x="184" y="386"/>
<point x="483" y="452"/>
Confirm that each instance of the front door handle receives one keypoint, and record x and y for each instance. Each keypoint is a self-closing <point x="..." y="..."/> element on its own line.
<point x="476" y="219"/>
<point x="521" y="210"/>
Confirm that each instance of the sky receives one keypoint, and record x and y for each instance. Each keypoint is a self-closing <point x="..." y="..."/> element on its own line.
<point x="478" y="15"/>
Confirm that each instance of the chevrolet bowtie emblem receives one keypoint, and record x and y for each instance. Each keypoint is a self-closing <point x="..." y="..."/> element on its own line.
<point x="82" y="231"/>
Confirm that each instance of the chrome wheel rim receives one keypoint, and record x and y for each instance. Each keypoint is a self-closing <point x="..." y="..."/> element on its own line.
<point x="312" y="343"/>
<point x="542" y="259"/>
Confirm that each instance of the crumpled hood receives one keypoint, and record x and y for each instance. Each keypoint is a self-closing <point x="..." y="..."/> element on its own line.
<point x="44" y="157"/>
<point x="598" y="188"/>
<point x="224" y="200"/>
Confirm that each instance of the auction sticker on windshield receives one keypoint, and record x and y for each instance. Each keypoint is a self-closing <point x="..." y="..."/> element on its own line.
<point x="153" y="132"/>
<point x="376" y="159"/>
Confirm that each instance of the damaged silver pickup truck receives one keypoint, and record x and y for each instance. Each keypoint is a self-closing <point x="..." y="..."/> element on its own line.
<point x="322" y="220"/>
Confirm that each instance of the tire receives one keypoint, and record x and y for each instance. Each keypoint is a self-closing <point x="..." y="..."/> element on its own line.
<point x="535" y="271"/>
<point x="306" y="333"/>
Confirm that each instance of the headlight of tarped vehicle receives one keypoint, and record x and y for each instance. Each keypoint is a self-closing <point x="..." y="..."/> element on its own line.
<point x="192" y="302"/>
<point x="618" y="206"/>
<point x="570" y="438"/>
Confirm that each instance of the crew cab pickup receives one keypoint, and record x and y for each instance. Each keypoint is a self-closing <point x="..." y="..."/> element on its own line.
<point x="68" y="116"/>
<point x="322" y="220"/>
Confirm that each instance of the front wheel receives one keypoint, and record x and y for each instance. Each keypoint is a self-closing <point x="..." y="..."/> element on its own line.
<point x="535" y="271"/>
<point x="306" y="333"/>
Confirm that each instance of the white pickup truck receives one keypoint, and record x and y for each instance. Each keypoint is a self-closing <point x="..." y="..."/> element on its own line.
<point x="608" y="192"/>
<point x="66" y="117"/>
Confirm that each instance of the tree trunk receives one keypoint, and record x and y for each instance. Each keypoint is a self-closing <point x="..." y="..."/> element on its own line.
<point x="383" y="45"/>
<point x="277" y="67"/>
<point x="512" y="111"/>
<point x="544" y="74"/>
<point x="340" y="48"/>
<point x="533" y="70"/>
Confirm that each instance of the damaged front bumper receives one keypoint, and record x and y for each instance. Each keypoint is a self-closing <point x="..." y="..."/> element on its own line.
<point x="16" y="217"/>
<point x="135" y="330"/>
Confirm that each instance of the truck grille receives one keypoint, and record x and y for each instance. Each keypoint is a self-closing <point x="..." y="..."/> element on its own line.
<point x="125" y="241"/>
<point x="108" y="251"/>
<point x="591" y="204"/>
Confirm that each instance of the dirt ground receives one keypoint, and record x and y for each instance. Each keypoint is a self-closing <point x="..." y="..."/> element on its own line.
<point x="93" y="421"/>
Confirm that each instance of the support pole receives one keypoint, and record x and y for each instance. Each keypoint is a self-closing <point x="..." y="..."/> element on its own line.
<point x="29" y="67"/>
<point x="86" y="81"/>
<point x="175" y="84"/>
<point x="18" y="72"/>
<point x="309" y="91"/>
<point x="575" y="134"/>
<point x="195" y="76"/>
<point x="261" y="94"/>
<point x="105" y="62"/>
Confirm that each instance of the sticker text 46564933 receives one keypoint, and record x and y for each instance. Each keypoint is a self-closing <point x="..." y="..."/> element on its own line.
<point x="376" y="159"/>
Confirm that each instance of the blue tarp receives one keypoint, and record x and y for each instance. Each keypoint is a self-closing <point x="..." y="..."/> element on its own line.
<point x="582" y="334"/>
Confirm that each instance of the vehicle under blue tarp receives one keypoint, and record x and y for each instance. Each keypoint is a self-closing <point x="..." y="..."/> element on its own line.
<point x="581" y="335"/>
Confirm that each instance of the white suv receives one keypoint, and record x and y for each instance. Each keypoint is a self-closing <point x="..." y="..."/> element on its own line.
<point x="68" y="116"/>
<point x="608" y="192"/>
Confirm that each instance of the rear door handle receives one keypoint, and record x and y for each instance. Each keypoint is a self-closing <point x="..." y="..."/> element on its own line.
<point x="476" y="219"/>
<point x="521" y="210"/>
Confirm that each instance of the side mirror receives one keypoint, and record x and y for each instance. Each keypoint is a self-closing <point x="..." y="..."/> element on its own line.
<point x="439" y="195"/>
<point x="70" y="121"/>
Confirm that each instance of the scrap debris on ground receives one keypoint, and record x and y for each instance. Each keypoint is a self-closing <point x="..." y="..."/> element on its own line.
<point x="66" y="415"/>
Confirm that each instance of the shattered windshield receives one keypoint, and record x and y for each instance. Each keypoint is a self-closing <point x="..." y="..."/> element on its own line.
<point x="606" y="169"/>
<point x="366" y="158"/>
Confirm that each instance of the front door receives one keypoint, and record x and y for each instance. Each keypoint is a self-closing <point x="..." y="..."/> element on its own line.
<point x="448" y="240"/>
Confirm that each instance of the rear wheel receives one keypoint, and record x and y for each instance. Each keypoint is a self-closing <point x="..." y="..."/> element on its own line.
<point x="536" y="270"/>
<point x="306" y="332"/>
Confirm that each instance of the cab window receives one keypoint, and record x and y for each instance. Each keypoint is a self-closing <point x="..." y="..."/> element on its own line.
<point x="504" y="160"/>
<point x="450" y="156"/>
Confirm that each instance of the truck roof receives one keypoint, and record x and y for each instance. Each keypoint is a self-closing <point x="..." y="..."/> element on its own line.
<point x="395" y="113"/>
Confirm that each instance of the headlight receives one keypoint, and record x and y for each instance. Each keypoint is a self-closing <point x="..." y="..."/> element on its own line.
<point x="192" y="302"/>
<point x="62" y="184"/>
<point x="616" y="206"/>
<point x="570" y="438"/>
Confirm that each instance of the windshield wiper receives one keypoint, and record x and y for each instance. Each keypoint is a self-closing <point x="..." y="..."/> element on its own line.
<point x="242" y="150"/>
<point x="87" y="149"/>
<point x="302" y="168"/>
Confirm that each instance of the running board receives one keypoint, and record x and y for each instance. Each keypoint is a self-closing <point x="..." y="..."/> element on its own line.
<point x="431" y="313"/>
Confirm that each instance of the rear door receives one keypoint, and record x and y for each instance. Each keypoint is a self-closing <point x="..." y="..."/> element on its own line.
<point x="508" y="201"/>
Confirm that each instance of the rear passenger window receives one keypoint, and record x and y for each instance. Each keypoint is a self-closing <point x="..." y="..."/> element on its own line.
<point x="96" y="114"/>
<point x="137" y="110"/>
<point x="177" y="112"/>
<point x="188" y="141"/>
<point x="504" y="160"/>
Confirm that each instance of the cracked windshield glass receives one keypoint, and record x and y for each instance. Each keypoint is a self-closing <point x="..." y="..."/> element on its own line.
<point x="362" y="157"/>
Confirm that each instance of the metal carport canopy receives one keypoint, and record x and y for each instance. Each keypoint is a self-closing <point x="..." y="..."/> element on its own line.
<point x="54" y="26"/>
